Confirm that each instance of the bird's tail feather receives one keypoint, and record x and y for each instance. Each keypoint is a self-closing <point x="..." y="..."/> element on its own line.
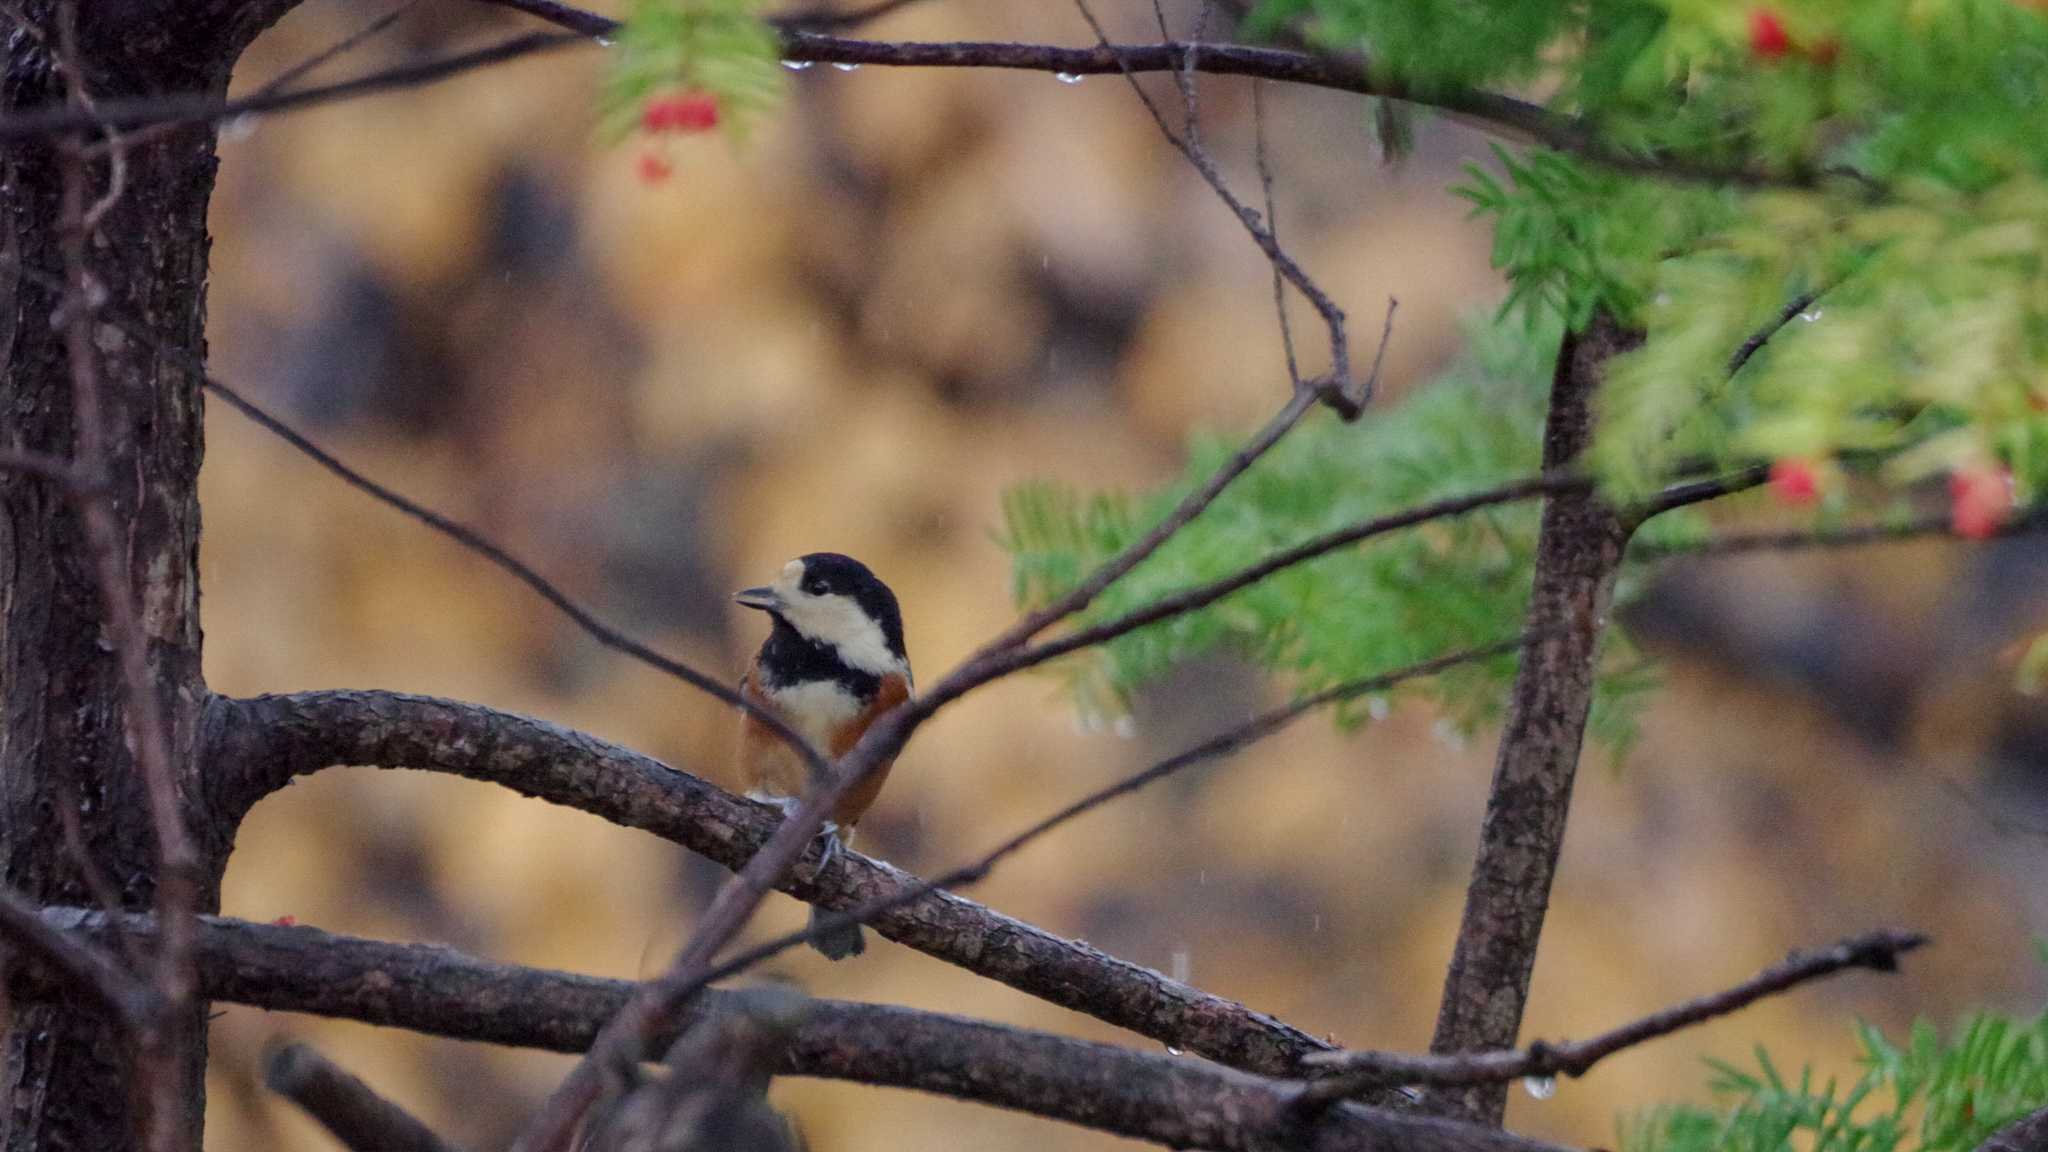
<point x="836" y="943"/>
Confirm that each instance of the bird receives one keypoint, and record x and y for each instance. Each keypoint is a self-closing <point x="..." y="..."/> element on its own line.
<point x="834" y="662"/>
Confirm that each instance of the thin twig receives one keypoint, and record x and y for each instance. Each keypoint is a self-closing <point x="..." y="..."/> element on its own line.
<point x="1793" y="308"/>
<point x="81" y="964"/>
<point x="475" y="541"/>
<point x="1337" y="389"/>
<point x="1355" y="1072"/>
<point x="353" y="1111"/>
<point x="160" y="1060"/>
<point x="1265" y="168"/>
<point x="339" y="48"/>
<point x="1192" y="505"/>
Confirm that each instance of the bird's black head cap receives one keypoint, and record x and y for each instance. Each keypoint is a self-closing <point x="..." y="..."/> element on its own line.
<point x="828" y="573"/>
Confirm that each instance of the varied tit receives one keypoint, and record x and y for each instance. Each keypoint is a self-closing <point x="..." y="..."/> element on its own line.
<point x="832" y="663"/>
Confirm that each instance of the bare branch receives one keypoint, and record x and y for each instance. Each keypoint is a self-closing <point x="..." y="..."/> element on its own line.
<point x="257" y="746"/>
<point x="1355" y="1072"/>
<point x="1144" y="1095"/>
<point x="81" y="964"/>
<point x="359" y="1118"/>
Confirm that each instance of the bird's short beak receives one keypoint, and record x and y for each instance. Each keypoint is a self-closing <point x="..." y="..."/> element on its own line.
<point x="763" y="598"/>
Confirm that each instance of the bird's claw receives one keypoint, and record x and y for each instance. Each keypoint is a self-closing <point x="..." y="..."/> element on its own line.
<point x="830" y="835"/>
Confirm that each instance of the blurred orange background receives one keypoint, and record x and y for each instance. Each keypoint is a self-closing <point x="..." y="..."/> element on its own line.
<point x="909" y="290"/>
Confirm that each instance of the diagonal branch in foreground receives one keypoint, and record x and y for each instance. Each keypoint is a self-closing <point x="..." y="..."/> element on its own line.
<point x="345" y="1106"/>
<point x="256" y="746"/>
<point x="1355" y="1072"/>
<point x="1144" y="1095"/>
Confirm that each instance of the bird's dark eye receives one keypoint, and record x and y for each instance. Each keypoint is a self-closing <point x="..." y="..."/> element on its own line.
<point x="817" y="586"/>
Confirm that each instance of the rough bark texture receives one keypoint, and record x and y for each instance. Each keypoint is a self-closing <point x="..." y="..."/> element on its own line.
<point x="259" y="745"/>
<point x="1578" y="553"/>
<point x="66" y="1080"/>
<point x="1149" y="1095"/>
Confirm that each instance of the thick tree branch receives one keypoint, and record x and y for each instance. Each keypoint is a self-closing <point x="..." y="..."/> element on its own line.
<point x="1355" y="1072"/>
<point x="359" y="1118"/>
<point x="1144" y="1095"/>
<point x="1578" y="555"/>
<point x="258" y="745"/>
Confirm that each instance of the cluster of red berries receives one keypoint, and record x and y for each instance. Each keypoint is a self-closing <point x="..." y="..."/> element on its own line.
<point x="676" y="112"/>
<point x="1980" y="497"/>
<point x="1769" y="40"/>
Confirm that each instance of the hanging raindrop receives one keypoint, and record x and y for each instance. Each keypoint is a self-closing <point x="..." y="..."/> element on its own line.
<point x="1540" y="1087"/>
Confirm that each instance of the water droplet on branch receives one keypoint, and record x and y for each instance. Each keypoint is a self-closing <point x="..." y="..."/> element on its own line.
<point x="797" y="65"/>
<point x="1540" y="1087"/>
<point x="1067" y="77"/>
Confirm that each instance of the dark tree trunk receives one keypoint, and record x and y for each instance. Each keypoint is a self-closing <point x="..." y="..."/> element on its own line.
<point x="67" y="1073"/>
<point x="1578" y="553"/>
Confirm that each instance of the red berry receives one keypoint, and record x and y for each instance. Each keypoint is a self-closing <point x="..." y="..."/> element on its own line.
<point x="698" y="112"/>
<point x="680" y="112"/>
<point x="1980" y="499"/>
<point x="286" y="921"/>
<point x="654" y="168"/>
<point x="1768" y="39"/>
<point x="1795" y="482"/>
